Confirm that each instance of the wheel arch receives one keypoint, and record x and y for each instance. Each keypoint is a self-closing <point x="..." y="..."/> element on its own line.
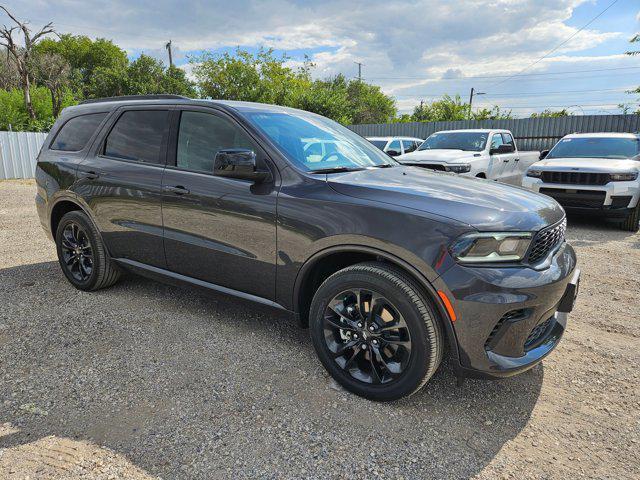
<point x="64" y="205"/>
<point x="328" y="261"/>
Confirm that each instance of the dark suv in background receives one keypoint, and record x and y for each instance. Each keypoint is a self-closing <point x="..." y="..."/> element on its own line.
<point x="388" y="265"/>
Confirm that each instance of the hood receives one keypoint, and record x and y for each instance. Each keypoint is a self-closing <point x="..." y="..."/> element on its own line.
<point x="593" y="165"/>
<point x="445" y="156"/>
<point x="483" y="204"/>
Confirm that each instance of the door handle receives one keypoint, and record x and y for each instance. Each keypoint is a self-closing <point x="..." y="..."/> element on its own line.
<point x="90" y="175"/>
<point x="517" y="159"/>
<point x="506" y="160"/>
<point x="178" y="190"/>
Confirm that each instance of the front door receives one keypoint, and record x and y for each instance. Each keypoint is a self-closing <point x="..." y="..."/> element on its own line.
<point x="219" y="230"/>
<point x="498" y="163"/>
<point x="121" y="182"/>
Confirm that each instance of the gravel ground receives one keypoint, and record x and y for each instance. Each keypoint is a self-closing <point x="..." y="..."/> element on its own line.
<point x="145" y="380"/>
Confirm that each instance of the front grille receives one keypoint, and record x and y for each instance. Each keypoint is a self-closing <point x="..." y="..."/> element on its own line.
<point x="430" y="166"/>
<point x="577" y="198"/>
<point x="537" y="333"/>
<point x="547" y="240"/>
<point x="576" y="178"/>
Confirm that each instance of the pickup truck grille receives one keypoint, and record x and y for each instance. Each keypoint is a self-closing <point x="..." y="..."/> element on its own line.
<point x="430" y="166"/>
<point x="546" y="240"/>
<point x="576" y="178"/>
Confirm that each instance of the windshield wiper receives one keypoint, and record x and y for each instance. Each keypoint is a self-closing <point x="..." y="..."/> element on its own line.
<point x="336" y="170"/>
<point x="384" y="165"/>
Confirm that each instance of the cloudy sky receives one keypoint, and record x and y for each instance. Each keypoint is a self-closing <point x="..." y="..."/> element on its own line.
<point x="416" y="50"/>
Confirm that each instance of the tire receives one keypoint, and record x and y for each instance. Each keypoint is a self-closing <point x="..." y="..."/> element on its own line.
<point x="631" y="223"/>
<point x="406" y="304"/>
<point x="93" y="269"/>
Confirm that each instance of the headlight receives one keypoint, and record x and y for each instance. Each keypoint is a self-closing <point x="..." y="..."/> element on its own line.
<point x="623" y="177"/>
<point x="462" y="168"/>
<point x="534" y="173"/>
<point x="491" y="247"/>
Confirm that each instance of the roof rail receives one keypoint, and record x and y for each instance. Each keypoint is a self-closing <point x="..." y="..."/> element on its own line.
<point x="164" y="96"/>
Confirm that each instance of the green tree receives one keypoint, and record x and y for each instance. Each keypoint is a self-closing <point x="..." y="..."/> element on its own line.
<point x="260" y="77"/>
<point x="552" y="113"/>
<point x="88" y="59"/>
<point x="14" y="114"/>
<point x="368" y="104"/>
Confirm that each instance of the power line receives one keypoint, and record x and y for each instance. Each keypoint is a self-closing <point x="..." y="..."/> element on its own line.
<point x="505" y="76"/>
<point x="559" y="106"/>
<point x="520" y="94"/>
<point x="558" y="46"/>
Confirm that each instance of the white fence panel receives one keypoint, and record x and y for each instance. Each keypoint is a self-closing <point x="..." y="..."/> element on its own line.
<point x="18" y="153"/>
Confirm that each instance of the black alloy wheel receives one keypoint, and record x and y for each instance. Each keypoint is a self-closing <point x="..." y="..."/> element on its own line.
<point x="82" y="255"/>
<point x="367" y="336"/>
<point x="77" y="253"/>
<point x="376" y="331"/>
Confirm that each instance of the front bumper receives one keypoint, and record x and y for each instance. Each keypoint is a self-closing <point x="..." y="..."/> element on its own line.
<point x="615" y="199"/>
<point x="509" y="318"/>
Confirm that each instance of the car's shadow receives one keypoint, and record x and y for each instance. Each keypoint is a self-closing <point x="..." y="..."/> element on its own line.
<point x="190" y="385"/>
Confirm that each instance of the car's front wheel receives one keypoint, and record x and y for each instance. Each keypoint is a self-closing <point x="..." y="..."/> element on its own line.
<point x="82" y="255"/>
<point x="375" y="331"/>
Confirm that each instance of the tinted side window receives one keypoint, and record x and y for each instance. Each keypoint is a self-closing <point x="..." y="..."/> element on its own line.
<point x="74" y="135"/>
<point x="508" y="139"/>
<point x="409" y="145"/>
<point x="395" y="145"/>
<point x="496" y="141"/>
<point x="201" y="136"/>
<point x="138" y="135"/>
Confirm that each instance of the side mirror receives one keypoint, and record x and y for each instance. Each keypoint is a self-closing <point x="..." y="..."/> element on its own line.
<point x="238" y="163"/>
<point x="543" y="154"/>
<point x="504" y="148"/>
<point x="393" y="153"/>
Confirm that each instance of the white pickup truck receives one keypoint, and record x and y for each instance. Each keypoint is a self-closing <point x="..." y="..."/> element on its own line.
<point x="485" y="153"/>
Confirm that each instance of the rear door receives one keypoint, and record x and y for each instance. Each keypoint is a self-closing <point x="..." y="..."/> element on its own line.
<point x="121" y="180"/>
<point x="220" y="230"/>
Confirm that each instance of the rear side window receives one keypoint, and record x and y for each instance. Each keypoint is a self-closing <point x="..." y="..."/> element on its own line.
<point x="74" y="135"/>
<point x="138" y="136"/>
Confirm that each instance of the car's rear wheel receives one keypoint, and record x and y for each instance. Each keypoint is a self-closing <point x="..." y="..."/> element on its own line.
<point x="82" y="255"/>
<point x="632" y="222"/>
<point x="375" y="331"/>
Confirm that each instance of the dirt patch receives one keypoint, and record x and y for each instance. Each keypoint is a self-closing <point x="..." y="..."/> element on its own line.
<point x="145" y="380"/>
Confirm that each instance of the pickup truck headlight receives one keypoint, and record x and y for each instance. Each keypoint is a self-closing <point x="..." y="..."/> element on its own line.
<point x="623" y="177"/>
<point x="491" y="247"/>
<point x="462" y="168"/>
<point x="534" y="173"/>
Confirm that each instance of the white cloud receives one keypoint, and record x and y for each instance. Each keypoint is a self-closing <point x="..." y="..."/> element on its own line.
<point x="405" y="45"/>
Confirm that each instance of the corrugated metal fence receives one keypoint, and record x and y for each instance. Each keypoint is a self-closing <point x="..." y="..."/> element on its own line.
<point x="18" y="152"/>
<point x="530" y="133"/>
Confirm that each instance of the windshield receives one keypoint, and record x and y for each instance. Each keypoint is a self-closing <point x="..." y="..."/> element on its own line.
<point x="596" y="147"/>
<point x="316" y="143"/>
<point x="379" y="143"/>
<point x="468" y="141"/>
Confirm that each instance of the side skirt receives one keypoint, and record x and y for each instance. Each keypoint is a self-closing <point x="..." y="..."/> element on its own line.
<point x="167" y="276"/>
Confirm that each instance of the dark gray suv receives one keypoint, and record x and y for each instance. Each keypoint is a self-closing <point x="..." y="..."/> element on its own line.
<point x="389" y="266"/>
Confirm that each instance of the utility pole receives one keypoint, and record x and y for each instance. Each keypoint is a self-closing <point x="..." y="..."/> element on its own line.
<point x="360" y="65"/>
<point x="168" y="47"/>
<point x="473" y="92"/>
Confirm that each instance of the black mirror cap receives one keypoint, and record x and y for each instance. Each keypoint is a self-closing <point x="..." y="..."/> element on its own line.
<point x="504" y="148"/>
<point x="393" y="153"/>
<point x="543" y="154"/>
<point x="238" y="163"/>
